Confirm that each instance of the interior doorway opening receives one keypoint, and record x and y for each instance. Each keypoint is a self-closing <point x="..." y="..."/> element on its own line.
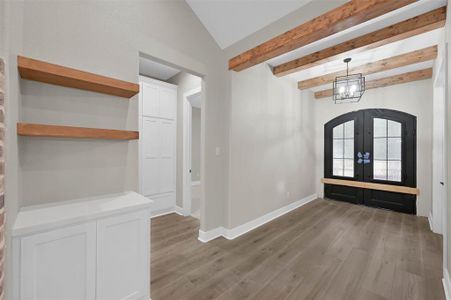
<point x="436" y="217"/>
<point x="192" y="106"/>
<point x="168" y="151"/>
<point x="170" y="138"/>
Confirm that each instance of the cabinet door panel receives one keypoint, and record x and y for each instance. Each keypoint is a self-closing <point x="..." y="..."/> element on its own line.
<point x="59" y="264"/>
<point x="168" y="103"/>
<point x="162" y="202"/>
<point x="151" y="177"/>
<point x="158" y="156"/>
<point x="167" y="176"/>
<point x="167" y="157"/>
<point x="151" y="135"/>
<point x="158" y="142"/>
<point x="151" y="100"/>
<point x="150" y="156"/>
<point x="167" y="139"/>
<point x="123" y="257"/>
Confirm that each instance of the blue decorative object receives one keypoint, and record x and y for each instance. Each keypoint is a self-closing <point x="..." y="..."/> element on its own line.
<point x="359" y="155"/>
<point x="363" y="158"/>
<point x="366" y="158"/>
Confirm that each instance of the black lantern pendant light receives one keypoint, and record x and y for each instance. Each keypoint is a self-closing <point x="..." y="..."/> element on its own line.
<point x="348" y="88"/>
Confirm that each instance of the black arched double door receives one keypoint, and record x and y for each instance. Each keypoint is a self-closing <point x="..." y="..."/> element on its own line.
<point x="372" y="145"/>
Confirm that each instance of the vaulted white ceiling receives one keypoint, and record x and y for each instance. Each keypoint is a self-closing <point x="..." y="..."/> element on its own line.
<point x="156" y="70"/>
<point x="229" y="21"/>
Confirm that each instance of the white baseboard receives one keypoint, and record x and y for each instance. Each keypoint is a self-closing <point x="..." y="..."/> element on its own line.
<point x="206" y="236"/>
<point x="160" y="213"/>
<point x="446" y="284"/>
<point x="179" y="211"/>
<point x="431" y="221"/>
<point x="194" y="183"/>
<point x="246" y="227"/>
<point x="434" y="227"/>
<point x="232" y="233"/>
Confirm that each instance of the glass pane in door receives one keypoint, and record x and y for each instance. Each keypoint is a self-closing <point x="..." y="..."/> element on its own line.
<point x="387" y="146"/>
<point x="343" y="150"/>
<point x="380" y="170"/>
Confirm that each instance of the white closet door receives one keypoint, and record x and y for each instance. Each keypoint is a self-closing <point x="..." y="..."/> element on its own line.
<point x="59" y="264"/>
<point x="158" y="156"/>
<point x="123" y="268"/>
<point x="150" y="156"/>
<point x="167" y="156"/>
<point x="158" y="142"/>
<point x="151" y="100"/>
<point x="168" y="103"/>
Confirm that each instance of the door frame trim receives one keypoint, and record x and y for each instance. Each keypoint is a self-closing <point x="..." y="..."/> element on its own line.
<point x="187" y="125"/>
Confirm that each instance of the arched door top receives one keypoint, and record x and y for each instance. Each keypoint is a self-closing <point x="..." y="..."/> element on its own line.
<point x="378" y="111"/>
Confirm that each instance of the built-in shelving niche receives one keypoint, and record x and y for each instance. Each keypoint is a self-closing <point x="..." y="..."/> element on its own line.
<point x="42" y="71"/>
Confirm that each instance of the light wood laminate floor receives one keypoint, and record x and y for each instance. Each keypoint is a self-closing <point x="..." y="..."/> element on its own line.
<point x="323" y="250"/>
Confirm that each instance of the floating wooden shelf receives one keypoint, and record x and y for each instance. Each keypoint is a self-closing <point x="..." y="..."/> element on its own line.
<point x="26" y="129"/>
<point x="373" y="186"/>
<point x="41" y="71"/>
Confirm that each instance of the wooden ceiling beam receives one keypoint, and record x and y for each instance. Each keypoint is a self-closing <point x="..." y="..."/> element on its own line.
<point x="387" y="81"/>
<point x="348" y="15"/>
<point x="402" y="30"/>
<point x="390" y="63"/>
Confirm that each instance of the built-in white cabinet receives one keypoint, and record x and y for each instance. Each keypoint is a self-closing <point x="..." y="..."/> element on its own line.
<point x="122" y="252"/>
<point x="158" y="136"/>
<point x="159" y="99"/>
<point x="96" y="248"/>
<point x="59" y="264"/>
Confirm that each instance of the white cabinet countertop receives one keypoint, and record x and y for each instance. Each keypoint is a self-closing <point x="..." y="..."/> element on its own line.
<point x="33" y="219"/>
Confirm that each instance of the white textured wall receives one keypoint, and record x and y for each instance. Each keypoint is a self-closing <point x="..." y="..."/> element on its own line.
<point x="447" y="238"/>
<point x="107" y="42"/>
<point x="13" y="24"/>
<point x="271" y="144"/>
<point x="271" y="122"/>
<point x="439" y="122"/>
<point x="2" y="29"/>
<point x="195" y="144"/>
<point x="414" y="98"/>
